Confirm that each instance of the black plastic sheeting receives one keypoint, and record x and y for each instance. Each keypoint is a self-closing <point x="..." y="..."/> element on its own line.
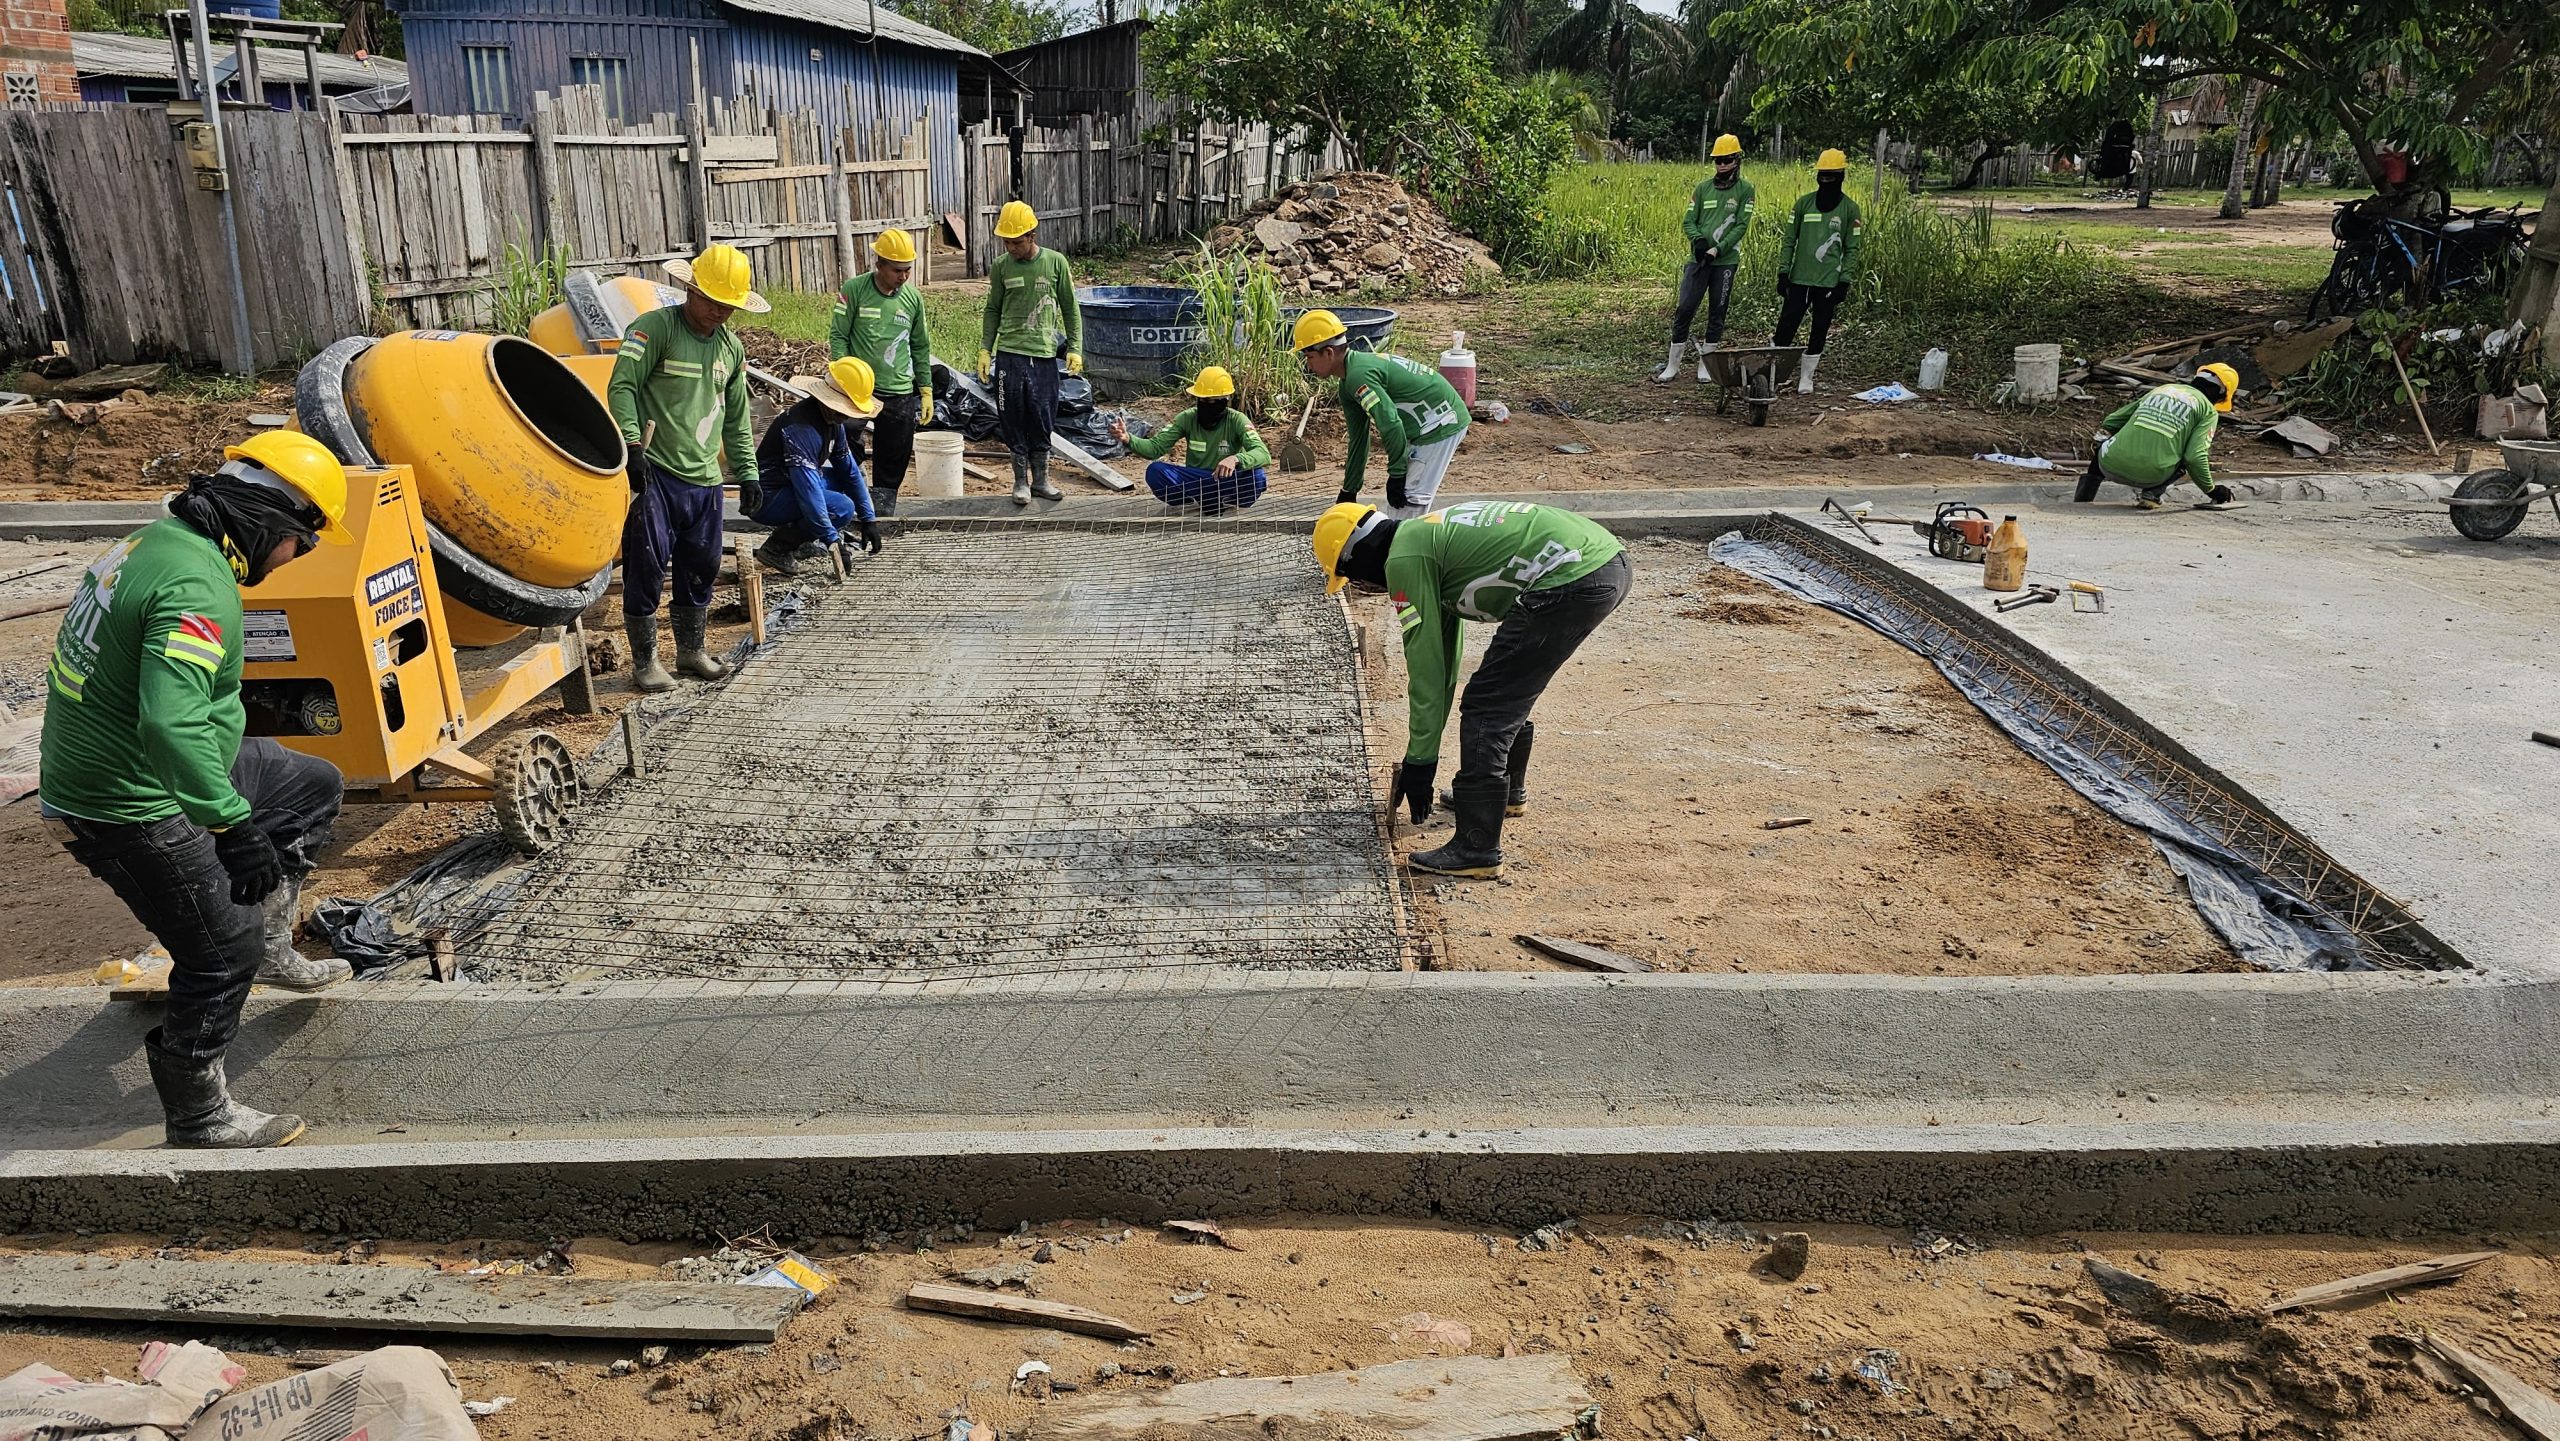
<point x="468" y="876"/>
<point x="964" y="403"/>
<point x="2266" y="922"/>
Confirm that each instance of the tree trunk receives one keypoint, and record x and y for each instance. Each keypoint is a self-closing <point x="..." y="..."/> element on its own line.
<point x="2536" y="298"/>
<point x="2244" y="138"/>
<point x="1973" y="176"/>
<point x="2151" y="147"/>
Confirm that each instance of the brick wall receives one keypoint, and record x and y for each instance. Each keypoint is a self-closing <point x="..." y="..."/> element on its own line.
<point x="35" y="43"/>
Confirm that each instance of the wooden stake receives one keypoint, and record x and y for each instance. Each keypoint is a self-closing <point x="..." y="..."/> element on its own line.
<point x="2415" y="408"/>
<point x="750" y="589"/>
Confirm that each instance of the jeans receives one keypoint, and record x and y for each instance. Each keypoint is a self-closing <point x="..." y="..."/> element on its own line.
<point x="1026" y="402"/>
<point x="1184" y="484"/>
<point x="893" y="441"/>
<point x="1540" y="634"/>
<point x="673" y="524"/>
<point x="166" y="873"/>
<point x="1791" y="311"/>
<point x="782" y="511"/>
<point x="1712" y="283"/>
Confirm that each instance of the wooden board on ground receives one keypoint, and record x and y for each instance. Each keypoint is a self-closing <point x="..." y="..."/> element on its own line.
<point x="996" y="1306"/>
<point x="2374" y="1283"/>
<point x="1464" y="1398"/>
<point x="1078" y="457"/>
<point x="1577" y="953"/>
<point x="388" y="1298"/>
<point x="2537" y="1413"/>
<point x="151" y="985"/>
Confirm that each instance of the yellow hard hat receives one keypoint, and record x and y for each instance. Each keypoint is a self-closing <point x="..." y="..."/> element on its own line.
<point x="1333" y="532"/>
<point x="1727" y="145"/>
<point x="1316" y="327"/>
<point x="1015" y="219"/>
<point x="1213" y="383"/>
<point x="306" y="467"/>
<point x="846" y="388"/>
<point x="2230" y="379"/>
<point x="894" y="246"/>
<point x="722" y="274"/>
<point x="1831" y="160"/>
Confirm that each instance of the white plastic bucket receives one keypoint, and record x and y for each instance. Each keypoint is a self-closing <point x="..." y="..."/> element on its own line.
<point x="2039" y="371"/>
<point x="938" y="464"/>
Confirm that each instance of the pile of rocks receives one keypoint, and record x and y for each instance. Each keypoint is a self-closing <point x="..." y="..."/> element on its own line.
<point x="1353" y="231"/>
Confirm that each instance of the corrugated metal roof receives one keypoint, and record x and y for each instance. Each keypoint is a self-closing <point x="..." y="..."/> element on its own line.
<point x="856" y="16"/>
<point x="102" y="52"/>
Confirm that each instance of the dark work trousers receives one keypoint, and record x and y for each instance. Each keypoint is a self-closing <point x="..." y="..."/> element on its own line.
<point x="1026" y="402"/>
<point x="1203" y="486"/>
<point x="166" y="873"/>
<point x="673" y="524"/>
<point x="893" y="442"/>
<point x="1711" y="283"/>
<point x="1533" y="642"/>
<point x="1791" y="311"/>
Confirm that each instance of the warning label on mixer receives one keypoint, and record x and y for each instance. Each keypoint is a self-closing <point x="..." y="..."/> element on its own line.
<point x="265" y="635"/>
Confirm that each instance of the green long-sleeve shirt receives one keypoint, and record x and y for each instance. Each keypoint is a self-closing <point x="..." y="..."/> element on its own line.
<point x="694" y="387"/>
<point x="886" y="332"/>
<point x="1207" y="445"/>
<point x="1471" y="562"/>
<point x="1406" y="402"/>
<point x="144" y="715"/>
<point x="2169" y="428"/>
<point x="1031" y="306"/>
<point x="1820" y="248"/>
<point x="1721" y="216"/>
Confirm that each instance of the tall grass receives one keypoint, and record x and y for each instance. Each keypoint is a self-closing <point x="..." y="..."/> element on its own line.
<point x="1240" y="329"/>
<point x="527" y="283"/>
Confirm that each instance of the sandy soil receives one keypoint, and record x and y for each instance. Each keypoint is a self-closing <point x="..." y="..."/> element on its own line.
<point x="1671" y="1328"/>
<point x="132" y="453"/>
<point x="1710" y="704"/>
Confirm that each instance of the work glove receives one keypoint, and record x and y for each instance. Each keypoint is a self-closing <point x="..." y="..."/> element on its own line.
<point x="1413" y="788"/>
<point x="986" y="365"/>
<point x="256" y="870"/>
<point x="1395" y="492"/>
<point x="924" y="407"/>
<point x="1350" y="495"/>
<point x="1840" y="291"/>
<point x="1075" y="362"/>
<point x="1700" y="252"/>
<point x="1783" y="282"/>
<point x="750" y="495"/>
<point x="871" y="536"/>
<point x="631" y="467"/>
<point x="2219" y="495"/>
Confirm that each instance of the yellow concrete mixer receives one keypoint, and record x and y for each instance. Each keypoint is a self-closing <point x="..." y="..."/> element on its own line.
<point x="587" y="327"/>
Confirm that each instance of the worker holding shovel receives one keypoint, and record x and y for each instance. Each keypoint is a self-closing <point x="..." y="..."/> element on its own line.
<point x="2150" y="443"/>
<point x="879" y="320"/>
<point x="1224" y="459"/>
<point x="1418" y="415"/>
<point x="1032" y="324"/>
<point x="1817" y="256"/>
<point x="1546" y="577"/>
<point x="148" y="782"/>
<point x="1719" y="215"/>
<point x="679" y="394"/>
<point x="807" y="485"/>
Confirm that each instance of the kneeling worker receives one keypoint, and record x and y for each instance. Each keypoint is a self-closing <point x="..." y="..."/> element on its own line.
<point x="1548" y="576"/>
<point x="807" y="485"/>
<point x="1418" y="415"/>
<point x="1223" y="463"/>
<point x="2149" y="443"/>
<point x="148" y="782"/>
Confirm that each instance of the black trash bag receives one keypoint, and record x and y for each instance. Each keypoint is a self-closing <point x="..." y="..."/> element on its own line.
<point x="962" y="403"/>
<point x="1091" y="431"/>
<point x="1075" y="397"/>
<point x="363" y="935"/>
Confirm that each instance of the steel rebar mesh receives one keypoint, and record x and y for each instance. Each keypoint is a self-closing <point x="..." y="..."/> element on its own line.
<point x="1003" y="750"/>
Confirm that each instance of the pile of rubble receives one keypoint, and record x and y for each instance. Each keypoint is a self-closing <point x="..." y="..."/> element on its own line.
<point x="1353" y="231"/>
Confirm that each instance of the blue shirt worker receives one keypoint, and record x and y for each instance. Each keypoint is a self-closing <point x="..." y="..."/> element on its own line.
<point x="1225" y="459"/>
<point x="810" y="488"/>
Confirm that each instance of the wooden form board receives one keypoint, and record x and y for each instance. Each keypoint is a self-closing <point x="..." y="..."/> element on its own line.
<point x="1463" y="1398"/>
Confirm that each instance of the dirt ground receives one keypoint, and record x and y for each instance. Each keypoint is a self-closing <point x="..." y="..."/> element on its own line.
<point x="1710" y="704"/>
<point x="1672" y="1328"/>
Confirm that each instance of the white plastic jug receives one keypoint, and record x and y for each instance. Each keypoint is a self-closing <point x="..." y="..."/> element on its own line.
<point x="1458" y="366"/>
<point x="938" y="464"/>
<point x="1933" y="370"/>
<point x="2039" y="371"/>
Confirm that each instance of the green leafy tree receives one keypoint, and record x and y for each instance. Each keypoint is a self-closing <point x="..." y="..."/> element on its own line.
<point x="1377" y="75"/>
<point x="993" y="25"/>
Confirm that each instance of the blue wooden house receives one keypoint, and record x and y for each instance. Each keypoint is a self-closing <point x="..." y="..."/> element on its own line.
<point x="849" y="62"/>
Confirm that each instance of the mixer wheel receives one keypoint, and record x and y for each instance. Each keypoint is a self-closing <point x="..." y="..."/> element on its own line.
<point x="537" y="787"/>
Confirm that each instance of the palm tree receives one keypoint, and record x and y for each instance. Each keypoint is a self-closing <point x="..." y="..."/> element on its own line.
<point x="1570" y="96"/>
<point x="1615" y="39"/>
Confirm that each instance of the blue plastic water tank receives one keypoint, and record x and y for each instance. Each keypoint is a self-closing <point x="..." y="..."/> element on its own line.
<point x="1135" y="335"/>
<point x="262" y="9"/>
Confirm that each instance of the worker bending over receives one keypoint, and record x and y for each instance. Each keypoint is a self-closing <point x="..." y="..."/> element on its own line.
<point x="1224" y="459"/>
<point x="1547" y="576"/>
<point x="205" y="836"/>
<point x="806" y="483"/>
<point x="1417" y="414"/>
<point x="879" y="320"/>
<point x="1817" y="257"/>
<point x="2149" y="443"/>
<point x="1719" y="215"/>
<point x="1032" y="319"/>
<point x="680" y="381"/>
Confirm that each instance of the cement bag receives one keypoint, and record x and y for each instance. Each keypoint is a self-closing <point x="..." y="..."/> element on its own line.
<point x="177" y="1382"/>
<point x="2521" y="416"/>
<point x="398" y="1393"/>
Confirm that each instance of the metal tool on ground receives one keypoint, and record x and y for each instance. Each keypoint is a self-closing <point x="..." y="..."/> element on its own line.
<point x="2035" y="595"/>
<point x="1831" y="506"/>
<point x="1753" y="371"/>
<point x="2490" y="504"/>
<point x="2097" y="595"/>
<point x="1957" y="530"/>
<point x="1297" y="455"/>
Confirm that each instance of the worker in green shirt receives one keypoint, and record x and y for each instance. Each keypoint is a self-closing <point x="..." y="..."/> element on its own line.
<point x="1548" y="577"/>
<point x="1718" y="217"/>
<point x="2150" y="443"/>
<point x="147" y="779"/>
<point x="1032" y="320"/>
<point x="1223" y="459"/>
<point x="1817" y="258"/>
<point x="679" y="394"/>
<point x="1418" y="415"/>
<point x="879" y="320"/>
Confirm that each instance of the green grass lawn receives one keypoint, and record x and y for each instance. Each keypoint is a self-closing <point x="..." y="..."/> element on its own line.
<point x="952" y="316"/>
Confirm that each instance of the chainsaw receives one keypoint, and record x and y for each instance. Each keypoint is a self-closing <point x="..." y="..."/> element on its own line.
<point x="1958" y="531"/>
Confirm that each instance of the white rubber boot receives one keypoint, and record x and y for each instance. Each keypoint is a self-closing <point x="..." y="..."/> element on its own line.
<point x="1671" y="368"/>
<point x="1804" y="372"/>
<point x="1704" y="347"/>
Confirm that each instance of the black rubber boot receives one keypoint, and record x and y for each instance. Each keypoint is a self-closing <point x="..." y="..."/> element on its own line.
<point x="693" y="625"/>
<point x="1516" y="804"/>
<point x="279" y="964"/>
<point x="646" y="674"/>
<point x="884" y="503"/>
<point x="1476" y="849"/>
<point x="779" y="553"/>
<point x="2087" y="490"/>
<point x="195" y="1099"/>
<point x="1021" y="480"/>
<point x="1040" y="486"/>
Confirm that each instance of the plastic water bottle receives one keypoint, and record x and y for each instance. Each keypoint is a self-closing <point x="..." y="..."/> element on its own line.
<point x="1933" y="369"/>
